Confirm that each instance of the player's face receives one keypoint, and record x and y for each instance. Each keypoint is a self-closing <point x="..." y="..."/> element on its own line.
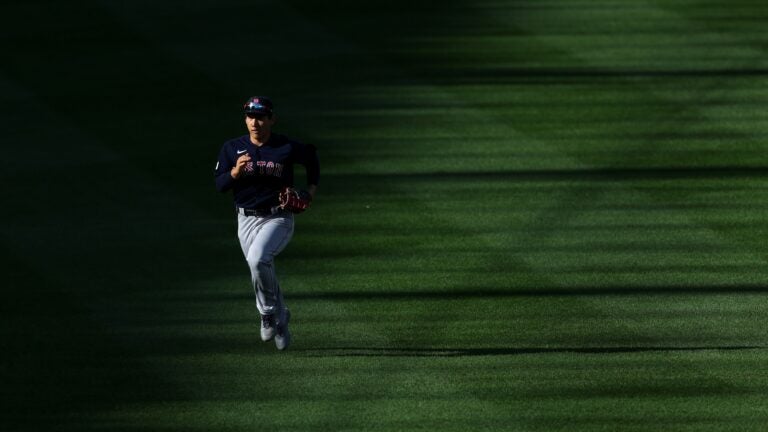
<point x="259" y="126"/>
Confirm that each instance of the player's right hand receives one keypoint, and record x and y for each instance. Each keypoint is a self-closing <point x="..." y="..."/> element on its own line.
<point x="237" y="170"/>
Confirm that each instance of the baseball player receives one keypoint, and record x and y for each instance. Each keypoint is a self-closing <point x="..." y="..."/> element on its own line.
<point x="258" y="168"/>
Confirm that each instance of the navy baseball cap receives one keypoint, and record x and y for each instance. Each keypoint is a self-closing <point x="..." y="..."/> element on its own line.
<point x="258" y="105"/>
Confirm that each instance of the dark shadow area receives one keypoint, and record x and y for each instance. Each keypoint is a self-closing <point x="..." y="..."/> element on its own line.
<point x="374" y="227"/>
<point x="504" y="75"/>
<point x="56" y="360"/>
<point x="597" y="174"/>
<point x="698" y="269"/>
<point x="464" y="352"/>
<point x="572" y="270"/>
<point x="531" y="292"/>
<point x="479" y="293"/>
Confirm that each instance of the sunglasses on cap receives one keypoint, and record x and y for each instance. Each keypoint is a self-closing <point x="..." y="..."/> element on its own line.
<point x="257" y="116"/>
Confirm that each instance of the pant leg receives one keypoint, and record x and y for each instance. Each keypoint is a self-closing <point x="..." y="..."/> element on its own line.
<point x="263" y="238"/>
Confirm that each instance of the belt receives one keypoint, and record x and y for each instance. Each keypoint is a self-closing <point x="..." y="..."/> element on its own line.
<point x="258" y="212"/>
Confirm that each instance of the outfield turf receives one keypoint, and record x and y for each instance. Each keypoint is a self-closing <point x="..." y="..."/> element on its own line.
<point x="533" y="215"/>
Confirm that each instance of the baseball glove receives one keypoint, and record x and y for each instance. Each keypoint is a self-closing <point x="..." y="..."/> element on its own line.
<point x="295" y="201"/>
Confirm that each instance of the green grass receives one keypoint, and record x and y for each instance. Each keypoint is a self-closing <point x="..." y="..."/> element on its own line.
<point x="533" y="215"/>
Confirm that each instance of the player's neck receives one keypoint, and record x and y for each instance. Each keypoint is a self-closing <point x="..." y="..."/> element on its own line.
<point x="260" y="141"/>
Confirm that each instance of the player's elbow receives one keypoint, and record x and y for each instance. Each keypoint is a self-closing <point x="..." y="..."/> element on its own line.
<point x="223" y="182"/>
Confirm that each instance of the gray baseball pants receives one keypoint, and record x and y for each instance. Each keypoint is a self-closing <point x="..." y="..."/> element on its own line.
<point x="262" y="238"/>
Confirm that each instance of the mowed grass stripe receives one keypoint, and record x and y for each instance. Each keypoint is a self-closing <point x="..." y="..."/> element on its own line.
<point x="583" y="402"/>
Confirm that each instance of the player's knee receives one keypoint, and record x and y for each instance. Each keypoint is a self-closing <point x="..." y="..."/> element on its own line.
<point x="261" y="269"/>
<point x="260" y="261"/>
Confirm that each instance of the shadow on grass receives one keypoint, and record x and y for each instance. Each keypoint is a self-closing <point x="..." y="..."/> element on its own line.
<point x="531" y="292"/>
<point x="58" y="363"/>
<point x="498" y="75"/>
<point x="468" y="352"/>
<point x="481" y="293"/>
<point x="606" y="174"/>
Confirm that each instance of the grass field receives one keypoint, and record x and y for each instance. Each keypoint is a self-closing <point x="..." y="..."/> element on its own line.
<point x="533" y="215"/>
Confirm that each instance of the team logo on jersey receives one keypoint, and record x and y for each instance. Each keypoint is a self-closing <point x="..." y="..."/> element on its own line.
<point x="267" y="168"/>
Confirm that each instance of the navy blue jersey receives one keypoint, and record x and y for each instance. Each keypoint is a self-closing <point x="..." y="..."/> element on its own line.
<point x="268" y="172"/>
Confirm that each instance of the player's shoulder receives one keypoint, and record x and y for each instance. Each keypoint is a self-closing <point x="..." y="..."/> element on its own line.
<point x="235" y="144"/>
<point x="277" y="140"/>
<point x="281" y="140"/>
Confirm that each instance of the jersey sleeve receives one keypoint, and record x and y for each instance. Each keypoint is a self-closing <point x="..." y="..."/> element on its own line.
<point x="307" y="156"/>
<point x="224" y="165"/>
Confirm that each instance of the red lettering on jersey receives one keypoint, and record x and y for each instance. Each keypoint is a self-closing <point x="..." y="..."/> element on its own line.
<point x="261" y="165"/>
<point x="270" y="167"/>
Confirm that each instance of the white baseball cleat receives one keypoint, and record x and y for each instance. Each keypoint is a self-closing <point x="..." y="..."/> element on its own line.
<point x="283" y="335"/>
<point x="267" y="327"/>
